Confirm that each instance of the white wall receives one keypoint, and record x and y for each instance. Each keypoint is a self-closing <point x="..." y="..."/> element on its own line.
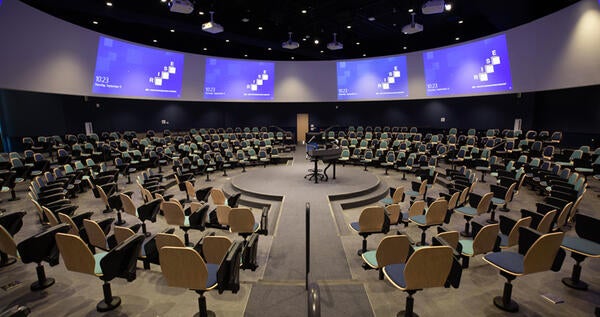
<point x="45" y="54"/>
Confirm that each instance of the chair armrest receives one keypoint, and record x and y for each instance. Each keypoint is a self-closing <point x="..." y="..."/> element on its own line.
<point x="555" y="201"/>
<point x="475" y="227"/>
<point x="543" y="208"/>
<point x="527" y="237"/>
<point x="587" y="227"/>
<point x="499" y="191"/>
<point x="474" y="200"/>
<point x="535" y="217"/>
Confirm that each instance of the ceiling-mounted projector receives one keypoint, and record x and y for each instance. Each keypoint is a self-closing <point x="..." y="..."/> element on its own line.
<point x="212" y="26"/>
<point x="335" y="45"/>
<point x="181" y="6"/>
<point x="433" y="7"/>
<point x="289" y="44"/>
<point x="413" y="27"/>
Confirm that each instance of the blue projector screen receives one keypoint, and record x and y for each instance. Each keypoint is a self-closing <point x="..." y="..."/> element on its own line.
<point x="377" y="78"/>
<point x="227" y="79"/>
<point x="130" y="70"/>
<point x="477" y="67"/>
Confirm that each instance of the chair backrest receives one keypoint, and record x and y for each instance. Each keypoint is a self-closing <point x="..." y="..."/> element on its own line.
<point x="392" y="249"/>
<point x="76" y="255"/>
<point x="183" y="267"/>
<point x="450" y="237"/>
<point x="428" y="267"/>
<point x="173" y="213"/>
<point x="542" y="253"/>
<point x="437" y="212"/>
<point x="72" y="226"/>
<point x="95" y="234"/>
<point x="453" y="200"/>
<point x="127" y="204"/>
<point x="463" y="196"/>
<point x="394" y="213"/>
<point x="50" y="216"/>
<point x="189" y="189"/>
<point x="513" y="236"/>
<point x="510" y="192"/>
<point x="398" y="193"/>
<point x="241" y="220"/>
<point x="102" y="195"/>
<point x="417" y="208"/>
<point x="168" y="240"/>
<point x="371" y="219"/>
<point x="122" y="233"/>
<point x="218" y="196"/>
<point x="423" y="187"/>
<point x="575" y="206"/>
<point x="546" y="223"/>
<point x="484" y="203"/>
<point x="564" y="214"/>
<point x="485" y="239"/>
<point x="215" y="248"/>
<point x="7" y="243"/>
<point x="223" y="214"/>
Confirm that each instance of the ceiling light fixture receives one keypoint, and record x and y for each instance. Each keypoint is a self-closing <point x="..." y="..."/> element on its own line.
<point x="461" y="21"/>
<point x="163" y="1"/>
<point x="260" y="27"/>
<point x="212" y="26"/>
<point x="303" y="11"/>
<point x="181" y="6"/>
<point x="410" y="10"/>
<point x="457" y="38"/>
<point x="269" y="49"/>
<point x="371" y="19"/>
<point x="335" y="45"/>
<point x="448" y="6"/>
<point x="94" y="22"/>
<point x="433" y="7"/>
<point x="245" y="20"/>
<point x="348" y="26"/>
<point x="289" y="44"/>
<point x="172" y="30"/>
<point x="155" y="41"/>
<point x="357" y="43"/>
<point x="201" y="12"/>
<point x="109" y="4"/>
<point x="316" y="41"/>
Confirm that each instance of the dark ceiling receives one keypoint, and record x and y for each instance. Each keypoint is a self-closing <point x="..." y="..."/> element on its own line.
<point x="366" y="28"/>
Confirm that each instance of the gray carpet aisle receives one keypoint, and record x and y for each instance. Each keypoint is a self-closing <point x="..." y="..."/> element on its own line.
<point x="281" y="292"/>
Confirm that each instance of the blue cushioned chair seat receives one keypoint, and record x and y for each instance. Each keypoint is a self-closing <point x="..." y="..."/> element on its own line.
<point x="420" y="220"/>
<point x="509" y="261"/>
<point x="582" y="245"/>
<point x="412" y="193"/>
<point x="395" y="272"/>
<point x="186" y="221"/>
<point x="498" y="201"/>
<point x="467" y="247"/>
<point x="370" y="258"/>
<point x="387" y="201"/>
<point x="97" y="258"/>
<point x="467" y="210"/>
<point x="355" y="226"/>
<point x="212" y="269"/>
<point x="405" y="216"/>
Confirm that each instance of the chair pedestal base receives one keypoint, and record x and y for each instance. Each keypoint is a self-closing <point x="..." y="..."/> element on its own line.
<point x="404" y="314"/>
<point x="109" y="302"/>
<point x="42" y="282"/>
<point x="410" y="301"/>
<point x="364" y="247"/>
<point x="203" y="312"/>
<point x="467" y="231"/>
<point x="492" y="219"/>
<point x="575" y="280"/>
<point x="104" y="306"/>
<point x="511" y="306"/>
<point x="120" y="220"/>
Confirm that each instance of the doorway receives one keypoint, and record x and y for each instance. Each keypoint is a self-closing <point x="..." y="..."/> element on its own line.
<point x="301" y="126"/>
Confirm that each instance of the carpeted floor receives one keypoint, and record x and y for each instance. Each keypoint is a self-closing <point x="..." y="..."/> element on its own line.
<point x="276" y="288"/>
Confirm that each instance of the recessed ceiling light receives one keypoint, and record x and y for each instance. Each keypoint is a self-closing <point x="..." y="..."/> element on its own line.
<point x="260" y="27"/>
<point x="460" y="21"/>
<point x="155" y="41"/>
<point x="304" y="39"/>
<point x="204" y="49"/>
<point x="172" y="30"/>
<point x="316" y="41"/>
<point x="457" y="38"/>
<point x="364" y="54"/>
<point x="404" y="47"/>
<point x="226" y="41"/>
<point x="163" y="1"/>
<point x="245" y="20"/>
<point x="303" y="11"/>
<point x="371" y="19"/>
<point x="348" y="26"/>
<point x="394" y="25"/>
<point x="410" y="10"/>
<point x="201" y="12"/>
<point x="95" y="22"/>
<point x="448" y="6"/>
<point x="357" y="43"/>
<point x="321" y="52"/>
<point x="269" y="48"/>
<point x="108" y="3"/>
<point x="292" y="57"/>
<point x="245" y="55"/>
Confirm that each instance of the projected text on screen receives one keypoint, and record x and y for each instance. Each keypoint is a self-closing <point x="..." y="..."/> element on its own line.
<point x="477" y="67"/>
<point x="227" y="79"/>
<point x="379" y="78"/>
<point x="130" y="70"/>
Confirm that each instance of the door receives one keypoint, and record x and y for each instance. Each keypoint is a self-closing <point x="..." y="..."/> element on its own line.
<point x="301" y="127"/>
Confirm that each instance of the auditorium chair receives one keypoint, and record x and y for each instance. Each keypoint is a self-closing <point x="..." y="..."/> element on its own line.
<point x="540" y="222"/>
<point x="509" y="230"/>
<point x="391" y="249"/>
<point x="586" y="244"/>
<point x="396" y="196"/>
<point x="372" y="220"/>
<point x="12" y="223"/>
<point x="502" y="196"/>
<point x="483" y="205"/>
<point x="241" y="221"/>
<point x="119" y="262"/>
<point x="434" y="216"/>
<point x="218" y="197"/>
<point x="35" y="249"/>
<point x="175" y="215"/>
<point x="147" y="211"/>
<point x="425" y="268"/>
<point x="536" y="253"/>
<point x="417" y="189"/>
<point x="486" y="240"/>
